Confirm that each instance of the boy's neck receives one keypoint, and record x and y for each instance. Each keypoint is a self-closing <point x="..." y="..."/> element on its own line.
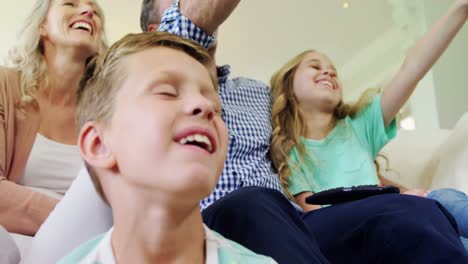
<point x="154" y="234"/>
<point x="318" y="124"/>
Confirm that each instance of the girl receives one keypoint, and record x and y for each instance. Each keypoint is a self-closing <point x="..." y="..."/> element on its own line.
<point x="319" y="143"/>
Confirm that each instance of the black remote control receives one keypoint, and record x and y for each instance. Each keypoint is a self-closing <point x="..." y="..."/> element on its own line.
<point x="346" y="194"/>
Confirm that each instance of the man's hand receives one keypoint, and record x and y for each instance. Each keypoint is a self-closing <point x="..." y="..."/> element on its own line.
<point x="208" y="14"/>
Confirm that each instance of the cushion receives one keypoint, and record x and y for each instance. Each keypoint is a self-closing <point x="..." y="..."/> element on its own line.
<point x="452" y="169"/>
<point x="409" y="156"/>
<point x="9" y="253"/>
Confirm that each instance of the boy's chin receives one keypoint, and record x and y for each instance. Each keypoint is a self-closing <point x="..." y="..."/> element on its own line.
<point x="199" y="188"/>
<point x="201" y="185"/>
<point x="188" y="197"/>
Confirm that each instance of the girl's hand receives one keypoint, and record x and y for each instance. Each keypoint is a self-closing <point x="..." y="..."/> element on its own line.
<point x="463" y="2"/>
<point x="464" y="5"/>
<point x="416" y="192"/>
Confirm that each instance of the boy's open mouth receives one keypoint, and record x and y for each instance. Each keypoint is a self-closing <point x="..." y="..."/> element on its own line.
<point x="198" y="140"/>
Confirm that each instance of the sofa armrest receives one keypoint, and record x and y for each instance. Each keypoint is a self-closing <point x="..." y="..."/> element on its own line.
<point x="452" y="165"/>
<point x="9" y="253"/>
<point x="408" y="158"/>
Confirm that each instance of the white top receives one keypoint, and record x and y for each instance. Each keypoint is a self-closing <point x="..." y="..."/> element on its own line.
<point x="51" y="166"/>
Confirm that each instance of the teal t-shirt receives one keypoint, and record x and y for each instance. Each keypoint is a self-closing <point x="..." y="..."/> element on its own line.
<point x="346" y="156"/>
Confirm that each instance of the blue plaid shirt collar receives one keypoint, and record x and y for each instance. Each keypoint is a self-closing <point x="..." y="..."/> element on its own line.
<point x="223" y="73"/>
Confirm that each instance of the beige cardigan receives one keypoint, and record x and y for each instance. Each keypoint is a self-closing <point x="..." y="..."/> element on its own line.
<point x="21" y="210"/>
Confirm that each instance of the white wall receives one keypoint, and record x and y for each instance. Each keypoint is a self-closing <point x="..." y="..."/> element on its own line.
<point x="451" y="72"/>
<point x="260" y="35"/>
<point x="12" y="14"/>
<point x="441" y="97"/>
<point x="368" y="42"/>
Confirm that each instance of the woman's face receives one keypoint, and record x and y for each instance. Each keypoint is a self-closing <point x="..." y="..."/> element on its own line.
<point x="316" y="84"/>
<point x="72" y="24"/>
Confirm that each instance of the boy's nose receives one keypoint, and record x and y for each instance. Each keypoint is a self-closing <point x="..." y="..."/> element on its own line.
<point x="203" y="107"/>
<point x="203" y="113"/>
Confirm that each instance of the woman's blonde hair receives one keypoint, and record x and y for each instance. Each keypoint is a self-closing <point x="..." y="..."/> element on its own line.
<point x="288" y="124"/>
<point x="28" y="54"/>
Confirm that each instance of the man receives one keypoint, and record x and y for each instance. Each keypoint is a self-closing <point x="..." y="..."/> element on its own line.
<point x="247" y="205"/>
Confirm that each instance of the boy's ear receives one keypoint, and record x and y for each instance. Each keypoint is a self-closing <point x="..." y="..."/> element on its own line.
<point x="93" y="147"/>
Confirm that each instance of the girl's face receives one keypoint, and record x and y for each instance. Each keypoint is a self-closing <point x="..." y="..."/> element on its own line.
<point x="74" y="24"/>
<point x="316" y="85"/>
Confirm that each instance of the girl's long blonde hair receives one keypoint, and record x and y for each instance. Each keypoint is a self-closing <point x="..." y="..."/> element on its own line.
<point x="288" y="124"/>
<point x="27" y="56"/>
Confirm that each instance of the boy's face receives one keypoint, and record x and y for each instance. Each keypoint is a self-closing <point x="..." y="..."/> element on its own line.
<point x="166" y="133"/>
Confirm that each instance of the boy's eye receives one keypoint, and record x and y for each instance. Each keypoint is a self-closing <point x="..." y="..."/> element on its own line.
<point x="69" y="3"/>
<point x="169" y="94"/>
<point x="164" y="89"/>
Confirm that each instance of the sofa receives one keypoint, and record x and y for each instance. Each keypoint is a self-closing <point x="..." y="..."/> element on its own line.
<point x="428" y="159"/>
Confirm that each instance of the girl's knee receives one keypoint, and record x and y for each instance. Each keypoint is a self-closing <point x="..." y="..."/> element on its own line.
<point x="410" y="206"/>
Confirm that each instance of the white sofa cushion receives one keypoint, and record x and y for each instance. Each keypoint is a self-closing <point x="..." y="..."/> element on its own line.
<point x="409" y="157"/>
<point x="452" y="156"/>
<point x="9" y="253"/>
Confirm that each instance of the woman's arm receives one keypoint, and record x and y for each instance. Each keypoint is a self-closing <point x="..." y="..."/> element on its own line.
<point x="300" y="200"/>
<point x="21" y="210"/>
<point x="421" y="58"/>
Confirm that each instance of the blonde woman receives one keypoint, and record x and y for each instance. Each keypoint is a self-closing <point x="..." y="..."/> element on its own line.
<point x="38" y="154"/>
<point x="319" y="143"/>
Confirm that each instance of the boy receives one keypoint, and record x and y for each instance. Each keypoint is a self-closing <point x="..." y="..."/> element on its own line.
<point x="154" y="144"/>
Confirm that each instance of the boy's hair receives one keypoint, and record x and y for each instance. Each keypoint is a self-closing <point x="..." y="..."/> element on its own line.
<point x="103" y="77"/>
<point x="289" y="125"/>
